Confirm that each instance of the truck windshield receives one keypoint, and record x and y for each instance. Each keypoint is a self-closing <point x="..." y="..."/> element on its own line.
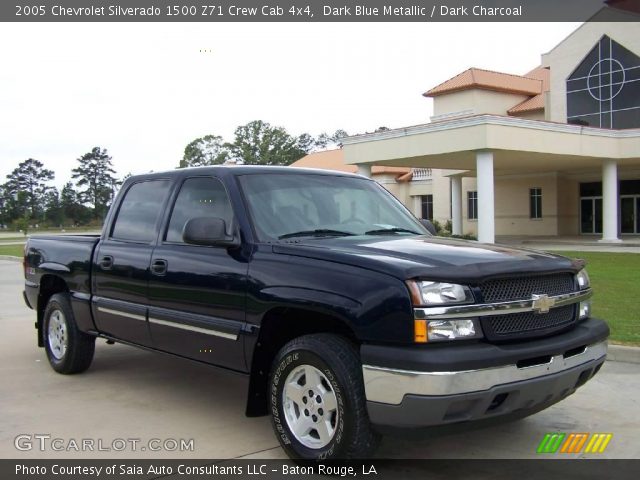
<point x="291" y="205"/>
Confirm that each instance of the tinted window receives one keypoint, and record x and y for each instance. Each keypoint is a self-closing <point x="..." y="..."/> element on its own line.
<point x="139" y="211"/>
<point x="472" y="205"/>
<point x="198" y="197"/>
<point x="427" y="207"/>
<point x="535" y="203"/>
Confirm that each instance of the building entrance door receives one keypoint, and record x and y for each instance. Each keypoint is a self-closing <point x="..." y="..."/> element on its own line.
<point x="591" y="215"/>
<point x="629" y="214"/>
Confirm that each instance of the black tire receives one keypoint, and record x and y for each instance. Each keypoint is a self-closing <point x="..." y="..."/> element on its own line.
<point x="339" y="363"/>
<point x="77" y="354"/>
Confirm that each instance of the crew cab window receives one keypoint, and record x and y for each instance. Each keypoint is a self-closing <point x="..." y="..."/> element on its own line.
<point x="139" y="211"/>
<point x="198" y="197"/>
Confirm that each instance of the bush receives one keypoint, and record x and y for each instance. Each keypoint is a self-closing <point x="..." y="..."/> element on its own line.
<point x="466" y="236"/>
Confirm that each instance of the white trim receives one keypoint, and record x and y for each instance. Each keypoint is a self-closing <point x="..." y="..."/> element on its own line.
<point x="450" y="115"/>
<point x="615" y="71"/>
<point x="120" y="313"/>
<point x="490" y="120"/>
<point x="607" y="85"/>
<point x="191" y="328"/>
<point x="605" y="111"/>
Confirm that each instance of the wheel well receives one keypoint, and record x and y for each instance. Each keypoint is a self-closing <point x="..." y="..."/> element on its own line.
<point x="49" y="286"/>
<point x="278" y="327"/>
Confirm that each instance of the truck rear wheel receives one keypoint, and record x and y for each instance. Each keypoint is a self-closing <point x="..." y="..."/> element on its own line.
<point x="68" y="349"/>
<point x="317" y="401"/>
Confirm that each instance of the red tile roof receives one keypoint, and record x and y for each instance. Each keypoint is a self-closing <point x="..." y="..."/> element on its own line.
<point x="334" y="160"/>
<point x="537" y="102"/>
<point x="488" y="80"/>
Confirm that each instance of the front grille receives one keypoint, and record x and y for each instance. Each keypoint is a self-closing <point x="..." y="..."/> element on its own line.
<point x="506" y="289"/>
<point x="515" y="326"/>
<point x="527" y="324"/>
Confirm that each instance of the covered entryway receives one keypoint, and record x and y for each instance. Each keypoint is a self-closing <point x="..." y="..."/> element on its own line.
<point x="492" y="146"/>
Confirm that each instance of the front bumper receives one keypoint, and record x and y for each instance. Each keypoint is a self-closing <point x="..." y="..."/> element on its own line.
<point x="480" y="381"/>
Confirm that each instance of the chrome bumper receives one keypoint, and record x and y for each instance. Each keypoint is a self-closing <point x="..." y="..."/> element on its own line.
<point x="385" y="385"/>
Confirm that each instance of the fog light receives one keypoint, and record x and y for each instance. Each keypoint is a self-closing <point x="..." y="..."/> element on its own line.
<point x="585" y="310"/>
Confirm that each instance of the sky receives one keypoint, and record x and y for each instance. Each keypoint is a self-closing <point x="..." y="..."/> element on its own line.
<point x="144" y="91"/>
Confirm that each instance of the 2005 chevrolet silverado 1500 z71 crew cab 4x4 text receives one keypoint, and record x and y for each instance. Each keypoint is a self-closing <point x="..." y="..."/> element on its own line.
<point x="347" y="317"/>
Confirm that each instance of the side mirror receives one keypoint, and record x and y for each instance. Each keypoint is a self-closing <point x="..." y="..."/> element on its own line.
<point x="429" y="226"/>
<point x="211" y="231"/>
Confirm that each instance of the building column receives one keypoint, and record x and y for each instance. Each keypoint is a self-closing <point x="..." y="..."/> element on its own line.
<point x="610" y="201"/>
<point x="486" y="205"/>
<point x="456" y="205"/>
<point x="364" y="170"/>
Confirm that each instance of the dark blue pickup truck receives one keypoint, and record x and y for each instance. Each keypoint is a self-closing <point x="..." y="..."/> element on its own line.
<point x="346" y="316"/>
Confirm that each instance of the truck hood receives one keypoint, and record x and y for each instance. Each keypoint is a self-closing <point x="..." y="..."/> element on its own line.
<point x="434" y="258"/>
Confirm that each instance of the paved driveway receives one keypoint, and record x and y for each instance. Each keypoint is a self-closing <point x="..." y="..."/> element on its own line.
<point x="133" y="394"/>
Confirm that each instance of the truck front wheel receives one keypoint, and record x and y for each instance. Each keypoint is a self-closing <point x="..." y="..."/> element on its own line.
<point x="68" y="349"/>
<point x="317" y="400"/>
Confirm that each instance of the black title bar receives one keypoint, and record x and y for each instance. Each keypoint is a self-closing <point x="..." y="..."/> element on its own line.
<point x="452" y="469"/>
<point x="312" y="11"/>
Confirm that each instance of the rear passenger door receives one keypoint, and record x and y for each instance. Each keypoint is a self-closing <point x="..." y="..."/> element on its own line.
<point x="121" y="268"/>
<point x="197" y="293"/>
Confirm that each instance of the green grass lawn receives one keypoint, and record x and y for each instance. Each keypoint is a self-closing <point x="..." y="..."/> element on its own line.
<point x="13" y="250"/>
<point x="615" y="278"/>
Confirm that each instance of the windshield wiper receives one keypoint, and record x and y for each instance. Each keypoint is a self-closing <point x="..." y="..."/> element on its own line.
<point x="384" y="231"/>
<point x="320" y="232"/>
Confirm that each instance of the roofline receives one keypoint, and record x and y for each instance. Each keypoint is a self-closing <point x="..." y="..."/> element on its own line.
<point x="482" y="86"/>
<point x="487" y="119"/>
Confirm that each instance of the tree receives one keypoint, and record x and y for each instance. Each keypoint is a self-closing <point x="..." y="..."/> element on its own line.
<point x="306" y="143"/>
<point x="207" y="150"/>
<point x="27" y="187"/>
<point x="52" y="207"/>
<point x="325" y="141"/>
<point x="71" y="206"/>
<point x="96" y="174"/>
<point x="258" y="143"/>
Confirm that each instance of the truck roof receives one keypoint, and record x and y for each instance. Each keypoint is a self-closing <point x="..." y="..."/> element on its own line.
<point x="242" y="170"/>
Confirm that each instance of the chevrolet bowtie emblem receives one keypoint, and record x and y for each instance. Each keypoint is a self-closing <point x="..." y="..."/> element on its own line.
<point x="542" y="303"/>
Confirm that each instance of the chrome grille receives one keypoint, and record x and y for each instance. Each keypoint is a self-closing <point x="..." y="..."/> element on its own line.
<point x="506" y="289"/>
<point x="527" y="324"/>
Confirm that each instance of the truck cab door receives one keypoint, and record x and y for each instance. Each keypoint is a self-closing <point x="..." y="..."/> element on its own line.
<point x="122" y="261"/>
<point x="197" y="293"/>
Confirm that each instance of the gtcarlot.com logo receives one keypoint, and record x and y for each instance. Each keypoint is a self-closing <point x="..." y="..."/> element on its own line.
<point x="46" y="442"/>
<point x="574" y="443"/>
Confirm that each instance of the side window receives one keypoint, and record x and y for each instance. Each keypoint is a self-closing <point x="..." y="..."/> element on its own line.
<point x="198" y="197"/>
<point x="139" y="211"/>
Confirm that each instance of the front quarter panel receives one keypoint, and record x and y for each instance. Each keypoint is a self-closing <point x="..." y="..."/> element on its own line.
<point x="375" y="306"/>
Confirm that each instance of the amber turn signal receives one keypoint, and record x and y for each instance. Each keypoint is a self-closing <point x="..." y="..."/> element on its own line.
<point x="419" y="331"/>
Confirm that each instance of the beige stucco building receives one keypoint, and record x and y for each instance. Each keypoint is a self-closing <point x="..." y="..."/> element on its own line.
<point x="555" y="151"/>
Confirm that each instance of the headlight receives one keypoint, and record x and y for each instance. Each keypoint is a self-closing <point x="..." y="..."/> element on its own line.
<point x="444" y="330"/>
<point x="439" y="293"/>
<point x="582" y="277"/>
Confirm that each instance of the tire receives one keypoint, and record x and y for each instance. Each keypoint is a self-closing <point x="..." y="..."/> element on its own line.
<point x="317" y="400"/>
<point x="68" y="349"/>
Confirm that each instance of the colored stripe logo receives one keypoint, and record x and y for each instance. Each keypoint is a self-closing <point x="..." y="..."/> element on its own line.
<point x="574" y="443"/>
